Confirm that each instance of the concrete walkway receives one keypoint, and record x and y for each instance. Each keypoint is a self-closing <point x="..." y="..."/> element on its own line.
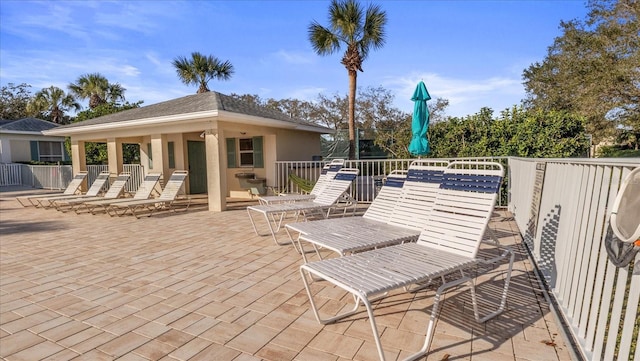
<point x="197" y="285"/>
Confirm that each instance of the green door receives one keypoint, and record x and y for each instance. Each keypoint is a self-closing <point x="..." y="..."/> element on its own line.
<point x="197" y="167"/>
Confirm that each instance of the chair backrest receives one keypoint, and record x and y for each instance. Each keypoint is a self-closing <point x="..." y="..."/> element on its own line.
<point x="173" y="186"/>
<point x="101" y="180"/>
<point x="625" y="212"/>
<point x="117" y="187"/>
<point x="463" y="207"/>
<point x="327" y="173"/>
<point x="337" y="186"/>
<point x="384" y="202"/>
<point x="147" y="186"/>
<point x="75" y="183"/>
<point x="418" y="193"/>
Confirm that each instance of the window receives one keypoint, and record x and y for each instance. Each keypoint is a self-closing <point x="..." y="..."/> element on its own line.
<point x="48" y="151"/>
<point x="245" y="152"/>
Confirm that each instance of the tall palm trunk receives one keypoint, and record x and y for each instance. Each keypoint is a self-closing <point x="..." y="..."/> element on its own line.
<point x="353" y="75"/>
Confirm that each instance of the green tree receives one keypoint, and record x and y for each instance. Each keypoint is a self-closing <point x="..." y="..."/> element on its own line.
<point x="592" y="70"/>
<point x="53" y="103"/>
<point x="199" y="69"/>
<point x="359" y="31"/>
<point x="14" y="100"/>
<point x="97" y="89"/>
<point x="96" y="153"/>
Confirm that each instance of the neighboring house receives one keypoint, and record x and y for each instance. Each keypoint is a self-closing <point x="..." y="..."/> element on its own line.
<point x="22" y="141"/>
<point x="212" y="135"/>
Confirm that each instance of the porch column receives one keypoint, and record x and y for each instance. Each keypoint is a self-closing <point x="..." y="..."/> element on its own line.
<point x="216" y="170"/>
<point x="160" y="162"/>
<point x="78" y="159"/>
<point x="114" y="155"/>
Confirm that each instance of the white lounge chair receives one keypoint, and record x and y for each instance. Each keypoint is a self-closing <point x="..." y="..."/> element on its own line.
<point x="72" y="188"/>
<point x="327" y="173"/>
<point x="115" y="190"/>
<point x="329" y="198"/>
<point x="97" y="187"/>
<point x="398" y="217"/>
<point x="169" y="194"/>
<point x="447" y="246"/>
<point x="148" y="187"/>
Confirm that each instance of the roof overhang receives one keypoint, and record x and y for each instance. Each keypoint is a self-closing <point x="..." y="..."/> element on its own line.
<point x="187" y="118"/>
<point x="22" y="132"/>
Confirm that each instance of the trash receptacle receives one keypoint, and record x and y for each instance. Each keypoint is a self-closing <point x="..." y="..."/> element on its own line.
<point x="258" y="185"/>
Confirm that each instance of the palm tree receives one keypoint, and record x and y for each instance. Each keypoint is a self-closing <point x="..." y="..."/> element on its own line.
<point x="54" y="101"/>
<point x="97" y="88"/>
<point x="359" y="32"/>
<point x="200" y="69"/>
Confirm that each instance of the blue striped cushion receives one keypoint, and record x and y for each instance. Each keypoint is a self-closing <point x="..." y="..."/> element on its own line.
<point x="473" y="183"/>
<point x="425" y="175"/>
<point x="394" y="182"/>
<point x="345" y="176"/>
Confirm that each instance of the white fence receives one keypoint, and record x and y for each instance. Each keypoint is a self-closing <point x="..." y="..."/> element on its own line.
<point x="10" y="174"/>
<point x="561" y="208"/>
<point x="58" y="176"/>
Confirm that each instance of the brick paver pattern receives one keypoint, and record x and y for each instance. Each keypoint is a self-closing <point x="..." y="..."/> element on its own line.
<point x="199" y="285"/>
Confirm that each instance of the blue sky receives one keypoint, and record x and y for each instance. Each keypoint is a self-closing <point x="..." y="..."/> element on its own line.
<point x="469" y="52"/>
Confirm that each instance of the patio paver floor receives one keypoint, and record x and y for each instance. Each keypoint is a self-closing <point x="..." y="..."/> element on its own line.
<point x="198" y="285"/>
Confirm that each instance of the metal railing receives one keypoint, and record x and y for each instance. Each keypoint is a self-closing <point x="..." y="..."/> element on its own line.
<point x="368" y="181"/>
<point x="561" y="207"/>
<point x="10" y="174"/>
<point x="58" y="176"/>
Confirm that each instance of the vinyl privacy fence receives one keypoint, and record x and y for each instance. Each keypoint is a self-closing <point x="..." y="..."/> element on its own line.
<point x="561" y="208"/>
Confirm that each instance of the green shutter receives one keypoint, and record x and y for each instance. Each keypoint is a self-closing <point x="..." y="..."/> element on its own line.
<point x="150" y="155"/>
<point x="35" y="154"/>
<point x="258" y="158"/>
<point x="172" y="158"/>
<point x="231" y="153"/>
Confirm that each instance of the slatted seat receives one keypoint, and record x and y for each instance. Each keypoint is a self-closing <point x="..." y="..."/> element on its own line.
<point x="115" y="190"/>
<point x="329" y="198"/>
<point x="448" y="245"/>
<point x="101" y="181"/>
<point x="327" y="173"/>
<point x="145" y="190"/>
<point x="72" y="188"/>
<point x="397" y="215"/>
<point x="166" y="199"/>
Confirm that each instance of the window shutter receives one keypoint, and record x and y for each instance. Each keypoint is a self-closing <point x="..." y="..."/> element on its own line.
<point x="258" y="158"/>
<point x="150" y="155"/>
<point x="172" y="158"/>
<point x="35" y="154"/>
<point x="231" y="153"/>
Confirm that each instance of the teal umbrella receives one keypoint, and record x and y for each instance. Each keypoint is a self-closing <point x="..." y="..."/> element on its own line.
<point x="419" y="144"/>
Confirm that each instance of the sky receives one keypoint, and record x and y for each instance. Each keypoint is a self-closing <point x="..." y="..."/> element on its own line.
<point x="472" y="52"/>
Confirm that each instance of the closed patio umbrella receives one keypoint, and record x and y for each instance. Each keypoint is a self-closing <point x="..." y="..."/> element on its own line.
<point x="419" y="144"/>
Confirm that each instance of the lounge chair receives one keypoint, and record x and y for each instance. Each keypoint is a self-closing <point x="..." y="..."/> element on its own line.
<point x="327" y="173"/>
<point x="447" y="246"/>
<point x="72" y="188"/>
<point x="148" y="186"/>
<point x="396" y="215"/>
<point x="331" y="197"/>
<point x="165" y="201"/>
<point x="115" y="190"/>
<point x="97" y="187"/>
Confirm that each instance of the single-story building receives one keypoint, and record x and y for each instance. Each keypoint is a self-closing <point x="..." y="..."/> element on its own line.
<point x="22" y="141"/>
<point x="212" y="135"/>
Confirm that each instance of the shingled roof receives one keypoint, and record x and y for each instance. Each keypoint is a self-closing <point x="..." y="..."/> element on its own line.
<point x="33" y="125"/>
<point x="209" y="101"/>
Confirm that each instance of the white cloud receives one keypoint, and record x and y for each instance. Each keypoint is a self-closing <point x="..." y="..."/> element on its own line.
<point x="293" y="57"/>
<point x="466" y="96"/>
